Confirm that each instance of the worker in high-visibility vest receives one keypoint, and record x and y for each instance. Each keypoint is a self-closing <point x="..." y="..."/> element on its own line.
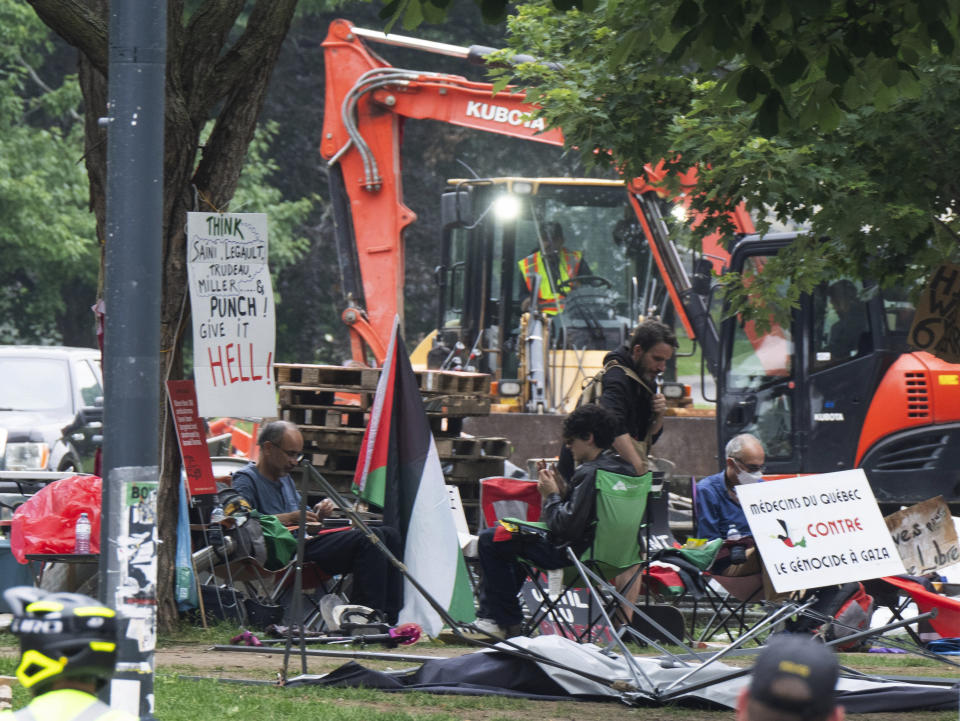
<point x="555" y="270"/>
<point x="68" y="650"/>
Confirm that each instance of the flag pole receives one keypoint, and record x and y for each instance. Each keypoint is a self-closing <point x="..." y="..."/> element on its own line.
<point x="298" y="595"/>
<point x="455" y="626"/>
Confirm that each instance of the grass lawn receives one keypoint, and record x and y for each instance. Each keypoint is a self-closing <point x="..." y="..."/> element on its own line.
<point x="179" y="698"/>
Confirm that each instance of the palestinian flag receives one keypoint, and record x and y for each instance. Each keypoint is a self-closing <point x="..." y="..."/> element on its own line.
<point x="399" y="471"/>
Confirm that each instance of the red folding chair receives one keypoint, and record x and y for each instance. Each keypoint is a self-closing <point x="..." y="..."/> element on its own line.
<point x="947" y="620"/>
<point x="502" y="497"/>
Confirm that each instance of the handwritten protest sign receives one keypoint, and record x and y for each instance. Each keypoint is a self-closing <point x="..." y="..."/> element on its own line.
<point x="191" y="437"/>
<point x="233" y="321"/>
<point x="925" y="536"/>
<point x="936" y="324"/>
<point x="819" y="530"/>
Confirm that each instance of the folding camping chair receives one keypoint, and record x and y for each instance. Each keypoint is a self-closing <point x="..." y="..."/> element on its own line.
<point x="946" y="622"/>
<point x="730" y="604"/>
<point x="263" y="588"/>
<point x="668" y="573"/>
<point x="620" y="507"/>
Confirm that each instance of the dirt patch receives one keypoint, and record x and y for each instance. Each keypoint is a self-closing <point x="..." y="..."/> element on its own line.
<point x="247" y="662"/>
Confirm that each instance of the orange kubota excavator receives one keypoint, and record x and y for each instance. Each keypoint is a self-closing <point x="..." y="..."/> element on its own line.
<point x="835" y="388"/>
<point x="592" y="285"/>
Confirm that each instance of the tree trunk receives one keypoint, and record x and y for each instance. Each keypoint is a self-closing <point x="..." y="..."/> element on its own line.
<point x="205" y="73"/>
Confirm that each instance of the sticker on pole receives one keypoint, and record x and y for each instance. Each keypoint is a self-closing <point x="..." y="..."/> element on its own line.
<point x="819" y="530"/>
<point x="231" y="297"/>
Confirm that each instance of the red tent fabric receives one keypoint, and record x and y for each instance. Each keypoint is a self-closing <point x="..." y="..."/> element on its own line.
<point x="947" y="620"/>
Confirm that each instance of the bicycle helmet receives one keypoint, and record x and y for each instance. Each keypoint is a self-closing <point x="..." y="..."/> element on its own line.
<point x="62" y="635"/>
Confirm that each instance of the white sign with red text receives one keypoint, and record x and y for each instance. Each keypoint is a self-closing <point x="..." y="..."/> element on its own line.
<point x="819" y="530"/>
<point x="233" y="322"/>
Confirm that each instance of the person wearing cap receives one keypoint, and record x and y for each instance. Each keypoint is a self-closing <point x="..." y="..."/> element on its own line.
<point x="794" y="679"/>
<point x="68" y="650"/>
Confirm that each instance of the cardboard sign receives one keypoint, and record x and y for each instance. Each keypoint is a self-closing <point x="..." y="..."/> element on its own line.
<point x="925" y="536"/>
<point x="573" y="608"/>
<point x="191" y="437"/>
<point x="936" y="324"/>
<point x="819" y="530"/>
<point x="232" y="307"/>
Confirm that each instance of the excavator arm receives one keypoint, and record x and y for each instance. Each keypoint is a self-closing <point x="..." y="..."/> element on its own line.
<point x="366" y="102"/>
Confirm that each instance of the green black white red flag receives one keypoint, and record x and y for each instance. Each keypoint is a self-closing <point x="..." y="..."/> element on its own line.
<point x="399" y="471"/>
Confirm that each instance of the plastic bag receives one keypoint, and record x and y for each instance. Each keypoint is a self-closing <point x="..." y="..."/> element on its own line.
<point x="47" y="522"/>
<point x="186" y="589"/>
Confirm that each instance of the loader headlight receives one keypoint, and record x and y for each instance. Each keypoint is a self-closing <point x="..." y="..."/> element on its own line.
<point x="27" y="456"/>
<point x="506" y="206"/>
<point x="509" y="388"/>
<point x="674" y="391"/>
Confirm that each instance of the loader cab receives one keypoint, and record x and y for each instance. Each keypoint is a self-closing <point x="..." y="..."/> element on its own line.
<point x="499" y="247"/>
<point x="805" y="387"/>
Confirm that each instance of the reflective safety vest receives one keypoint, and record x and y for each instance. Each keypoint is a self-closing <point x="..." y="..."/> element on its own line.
<point x="66" y="705"/>
<point x="550" y="302"/>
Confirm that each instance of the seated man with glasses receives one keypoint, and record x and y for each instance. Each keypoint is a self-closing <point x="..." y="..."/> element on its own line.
<point x="719" y="514"/>
<point x="267" y="485"/>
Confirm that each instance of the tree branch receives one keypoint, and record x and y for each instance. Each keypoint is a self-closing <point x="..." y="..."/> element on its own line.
<point x="42" y="85"/>
<point x="220" y="165"/>
<point x="202" y="43"/>
<point x="260" y="43"/>
<point x="80" y="26"/>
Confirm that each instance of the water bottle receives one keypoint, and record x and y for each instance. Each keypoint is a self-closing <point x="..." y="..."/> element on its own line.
<point x="554" y="583"/>
<point x="82" y="535"/>
<point x="738" y="554"/>
<point x="215" y="531"/>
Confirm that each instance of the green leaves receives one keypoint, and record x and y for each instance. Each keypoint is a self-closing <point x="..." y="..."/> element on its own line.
<point x="843" y="119"/>
<point x="686" y="16"/>
<point x="838" y="69"/>
<point x="791" y="68"/>
<point x="752" y="81"/>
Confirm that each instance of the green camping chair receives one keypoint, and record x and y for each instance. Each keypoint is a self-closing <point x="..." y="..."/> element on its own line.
<point x="620" y="508"/>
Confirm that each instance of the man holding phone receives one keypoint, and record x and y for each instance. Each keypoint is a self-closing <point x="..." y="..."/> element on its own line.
<point x="569" y="511"/>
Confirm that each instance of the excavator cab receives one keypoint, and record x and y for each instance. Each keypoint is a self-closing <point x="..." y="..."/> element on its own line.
<point x="838" y="387"/>
<point x="538" y="280"/>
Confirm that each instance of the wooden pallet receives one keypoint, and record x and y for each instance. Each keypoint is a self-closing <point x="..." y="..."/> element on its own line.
<point x="340" y="377"/>
<point x="318" y="439"/>
<point x="299" y="402"/>
<point x="326" y="376"/>
<point x="469" y="448"/>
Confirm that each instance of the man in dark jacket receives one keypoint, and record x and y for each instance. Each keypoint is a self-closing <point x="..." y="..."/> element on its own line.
<point x="569" y="511"/>
<point x="629" y="390"/>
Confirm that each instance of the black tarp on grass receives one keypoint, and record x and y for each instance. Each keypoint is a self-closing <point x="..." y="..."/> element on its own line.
<point x="493" y="673"/>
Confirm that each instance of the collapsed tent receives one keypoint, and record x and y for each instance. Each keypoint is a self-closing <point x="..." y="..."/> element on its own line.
<point x="490" y="672"/>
